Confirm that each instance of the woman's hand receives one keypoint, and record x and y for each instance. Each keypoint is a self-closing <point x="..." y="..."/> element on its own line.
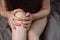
<point x="12" y="13"/>
<point x="27" y="20"/>
<point x="11" y="17"/>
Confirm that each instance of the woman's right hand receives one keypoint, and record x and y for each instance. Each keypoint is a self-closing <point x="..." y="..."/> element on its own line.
<point x="11" y="17"/>
<point x="12" y="13"/>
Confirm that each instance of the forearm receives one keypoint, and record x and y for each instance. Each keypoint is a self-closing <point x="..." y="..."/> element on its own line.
<point x="41" y="14"/>
<point x="3" y="9"/>
<point x="3" y="13"/>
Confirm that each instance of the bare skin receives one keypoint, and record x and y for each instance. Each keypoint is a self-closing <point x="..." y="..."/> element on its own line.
<point x="39" y="17"/>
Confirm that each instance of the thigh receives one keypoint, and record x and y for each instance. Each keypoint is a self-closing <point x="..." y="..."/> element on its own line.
<point x="38" y="26"/>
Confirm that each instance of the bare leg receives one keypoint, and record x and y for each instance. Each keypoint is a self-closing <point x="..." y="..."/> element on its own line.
<point x="19" y="34"/>
<point x="37" y="28"/>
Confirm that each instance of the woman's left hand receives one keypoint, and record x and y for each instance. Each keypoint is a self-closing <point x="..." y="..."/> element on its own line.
<point x="27" y="20"/>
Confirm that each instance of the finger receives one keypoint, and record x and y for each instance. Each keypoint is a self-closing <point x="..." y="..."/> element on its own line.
<point x="13" y="13"/>
<point x="18" y="22"/>
<point x="23" y="19"/>
<point x="27" y="14"/>
<point x="26" y="18"/>
<point x="20" y="19"/>
<point x="17" y="10"/>
<point x="11" y="25"/>
<point x="27" y="26"/>
<point x="26" y="22"/>
<point x="15" y="23"/>
<point x="14" y="17"/>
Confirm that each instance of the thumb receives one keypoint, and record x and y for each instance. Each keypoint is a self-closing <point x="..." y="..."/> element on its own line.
<point x="27" y="14"/>
<point x="17" y="10"/>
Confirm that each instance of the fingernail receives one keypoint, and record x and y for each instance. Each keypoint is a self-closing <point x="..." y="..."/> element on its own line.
<point x="25" y="24"/>
<point x="25" y="27"/>
<point x="27" y="15"/>
<point x="18" y="25"/>
<point x="21" y="19"/>
<point x="14" y="27"/>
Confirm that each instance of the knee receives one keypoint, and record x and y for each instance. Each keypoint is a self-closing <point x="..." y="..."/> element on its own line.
<point x="32" y="33"/>
<point x="32" y="36"/>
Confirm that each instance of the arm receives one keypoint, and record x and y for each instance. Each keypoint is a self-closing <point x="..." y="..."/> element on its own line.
<point x="3" y="9"/>
<point x="45" y="10"/>
<point x="0" y="5"/>
<point x="3" y="13"/>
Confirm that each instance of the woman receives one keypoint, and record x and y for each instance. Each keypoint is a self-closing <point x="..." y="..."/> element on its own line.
<point x="38" y="12"/>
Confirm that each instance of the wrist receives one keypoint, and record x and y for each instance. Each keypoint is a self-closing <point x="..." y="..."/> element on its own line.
<point x="6" y="15"/>
<point x="3" y="13"/>
<point x="33" y="17"/>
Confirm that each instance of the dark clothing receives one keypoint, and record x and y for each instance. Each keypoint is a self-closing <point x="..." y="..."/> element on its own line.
<point x="31" y="6"/>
